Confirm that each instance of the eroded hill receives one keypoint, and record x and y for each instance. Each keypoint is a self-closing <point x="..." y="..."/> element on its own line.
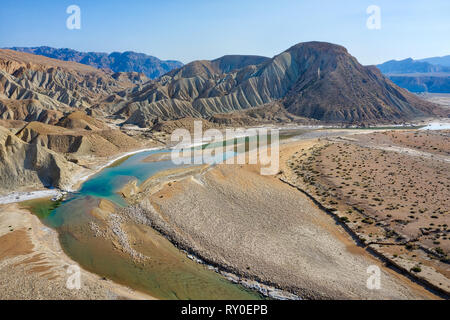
<point x="314" y="80"/>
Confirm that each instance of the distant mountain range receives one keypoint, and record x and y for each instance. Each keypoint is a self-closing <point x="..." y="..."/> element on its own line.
<point x="425" y="75"/>
<point x="128" y="61"/>
<point x="443" y="61"/>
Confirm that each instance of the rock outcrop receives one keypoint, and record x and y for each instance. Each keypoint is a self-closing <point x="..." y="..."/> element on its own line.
<point x="35" y="154"/>
<point x="315" y="80"/>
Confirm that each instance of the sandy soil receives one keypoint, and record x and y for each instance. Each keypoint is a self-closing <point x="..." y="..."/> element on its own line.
<point x="260" y="228"/>
<point x="33" y="265"/>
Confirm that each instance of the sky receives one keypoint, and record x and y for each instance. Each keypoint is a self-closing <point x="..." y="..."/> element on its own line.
<point x="188" y="30"/>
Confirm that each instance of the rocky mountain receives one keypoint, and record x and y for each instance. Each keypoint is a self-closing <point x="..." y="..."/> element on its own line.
<point x="128" y="61"/>
<point x="36" y="88"/>
<point x="35" y="154"/>
<point x="45" y="132"/>
<point x="314" y="80"/>
<point x="424" y="75"/>
<point x="75" y="140"/>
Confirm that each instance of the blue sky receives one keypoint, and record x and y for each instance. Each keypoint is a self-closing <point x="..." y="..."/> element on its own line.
<point x="199" y="29"/>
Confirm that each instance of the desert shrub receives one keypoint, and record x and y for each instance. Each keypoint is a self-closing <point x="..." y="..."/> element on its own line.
<point x="416" y="269"/>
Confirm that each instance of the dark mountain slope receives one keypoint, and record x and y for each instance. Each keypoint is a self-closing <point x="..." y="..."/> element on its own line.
<point x="335" y="87"/>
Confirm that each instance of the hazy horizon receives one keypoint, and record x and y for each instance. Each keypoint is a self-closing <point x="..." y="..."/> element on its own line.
<point x="201" y="30"/>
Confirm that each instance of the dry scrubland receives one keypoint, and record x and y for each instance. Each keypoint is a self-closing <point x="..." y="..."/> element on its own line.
<point x="392" y="189"/>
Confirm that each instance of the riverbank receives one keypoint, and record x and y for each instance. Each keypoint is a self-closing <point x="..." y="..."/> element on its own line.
<point x="96" y="165"/>
<point x="93" y="232"/>
<point x="83" y="176"/>
<point x="34" y="266"/>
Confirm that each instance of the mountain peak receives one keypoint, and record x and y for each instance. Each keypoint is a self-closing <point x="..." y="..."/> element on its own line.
<point x="317" y="80"/>
<point x="319" y="46"/>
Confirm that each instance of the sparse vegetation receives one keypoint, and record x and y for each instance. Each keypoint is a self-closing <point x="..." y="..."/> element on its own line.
<point x="388" y="195"/>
